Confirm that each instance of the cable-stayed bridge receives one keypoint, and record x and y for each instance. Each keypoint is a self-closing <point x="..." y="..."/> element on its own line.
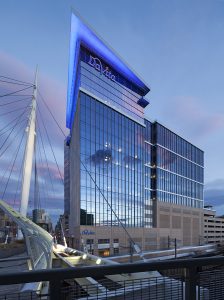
<point x="30" y="175"/>
<point x="28" y="157"/>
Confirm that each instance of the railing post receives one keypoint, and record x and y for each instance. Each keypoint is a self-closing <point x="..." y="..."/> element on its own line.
<point x="175" y="247"/>
<point x="55" y="289"/>
<point x="191" y="283"/>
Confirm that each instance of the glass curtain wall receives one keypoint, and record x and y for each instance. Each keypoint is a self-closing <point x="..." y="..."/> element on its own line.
<point x="112" y="149"/>
<point x="180" y="169"/>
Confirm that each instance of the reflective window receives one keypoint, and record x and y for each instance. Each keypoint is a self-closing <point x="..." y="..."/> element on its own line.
<point x="112" y="173"/>
<point x="179" y="169"/>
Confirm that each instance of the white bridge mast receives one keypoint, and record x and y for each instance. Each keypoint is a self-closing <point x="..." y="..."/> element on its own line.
<point x="29" y="150"/>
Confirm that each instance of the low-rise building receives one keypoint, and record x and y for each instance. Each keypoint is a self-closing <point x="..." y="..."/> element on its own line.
<point x="213" y="226"/>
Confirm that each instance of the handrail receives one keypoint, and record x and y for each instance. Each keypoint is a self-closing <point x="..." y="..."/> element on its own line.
<point x="35" y="237"/>
<point x="7" y="259"/>
<point x="97" y="271"/>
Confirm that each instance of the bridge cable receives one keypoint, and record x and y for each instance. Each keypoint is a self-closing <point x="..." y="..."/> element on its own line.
<point x="16" y="83"/>
<point x="13" y="164"/>
<point x="45" y="189"/>
<point x="18" y="181"/>
<point x="15" y="101"/>
<point x="13" y="128"/>
<point x="41" y="138"/>
<point x="11" y="111"/>
<point x="37" y="204"/>
<point x="7" y="130"/>
<point x="11" y="93"/>
<point x="12" y="143"/>
<point x="19" y="81"/>
<point x="42" y="98"/>
<point x="9" y="123"/>
<point x="62" y="180"/>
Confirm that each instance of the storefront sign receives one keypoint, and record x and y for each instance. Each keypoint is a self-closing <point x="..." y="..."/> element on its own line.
<point x="87" y="232"/>
<point x="96" y="64"/>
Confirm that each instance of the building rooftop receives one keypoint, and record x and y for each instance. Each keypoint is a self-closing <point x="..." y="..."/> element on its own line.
<point x="82" y="35"/>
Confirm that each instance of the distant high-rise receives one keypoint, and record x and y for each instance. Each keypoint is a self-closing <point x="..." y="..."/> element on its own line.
<point x="119" y="167"/>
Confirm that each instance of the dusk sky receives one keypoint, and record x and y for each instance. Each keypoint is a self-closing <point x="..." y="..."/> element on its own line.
<point x="177" y="47"/>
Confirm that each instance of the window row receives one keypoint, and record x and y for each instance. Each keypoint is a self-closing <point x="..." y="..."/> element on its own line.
<point x="112" y="100"/>
<point x="174" y="163"/>
<point x="178" y="200"/>
<point x="170" y="140"/>
<point x="178" y="185"/>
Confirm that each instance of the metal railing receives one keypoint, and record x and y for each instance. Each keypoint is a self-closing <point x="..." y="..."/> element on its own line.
<point x="199" y="278"/>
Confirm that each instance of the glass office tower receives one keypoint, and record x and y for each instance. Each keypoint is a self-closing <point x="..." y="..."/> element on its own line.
<point x="117" y="163"/>
<point x="111" y="148"/>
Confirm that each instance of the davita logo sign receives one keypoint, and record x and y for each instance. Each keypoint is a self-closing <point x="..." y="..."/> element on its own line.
<point x="87" y="232"/>
<point x="97" y="64"/>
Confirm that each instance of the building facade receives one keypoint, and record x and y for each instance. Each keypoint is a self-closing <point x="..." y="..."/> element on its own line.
<point x="120" y="168"/>
<point x="213" y="227"/>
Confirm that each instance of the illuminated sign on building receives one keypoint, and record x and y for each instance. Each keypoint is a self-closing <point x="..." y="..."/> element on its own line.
<point x="96" y="63"/>
<point x="87" y="232"/>
<point x="81" y="35"/>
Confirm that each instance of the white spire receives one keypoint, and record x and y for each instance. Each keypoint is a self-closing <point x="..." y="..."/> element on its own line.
<point x="29" y="150"/>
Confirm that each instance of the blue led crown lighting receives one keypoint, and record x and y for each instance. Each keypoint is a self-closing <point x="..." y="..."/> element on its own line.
<point x="83" y="35"/>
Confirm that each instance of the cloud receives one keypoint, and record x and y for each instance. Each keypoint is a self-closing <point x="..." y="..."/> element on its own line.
<point x="193" y="117"/>
<point x="217" y="184"/>
<point x="53" y="169"/>
<point x="53" y="92"/>
<point x="10" y="65"/>
<point x="214" y="195"/>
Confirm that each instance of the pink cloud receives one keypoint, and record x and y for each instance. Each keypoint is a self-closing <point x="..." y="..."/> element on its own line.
<point x="189" y="114"/>
<point x="53" y="171"/>
<point x="54" y="92"/>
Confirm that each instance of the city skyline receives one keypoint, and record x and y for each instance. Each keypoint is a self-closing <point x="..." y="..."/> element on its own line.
<point x="174" y="62"/>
